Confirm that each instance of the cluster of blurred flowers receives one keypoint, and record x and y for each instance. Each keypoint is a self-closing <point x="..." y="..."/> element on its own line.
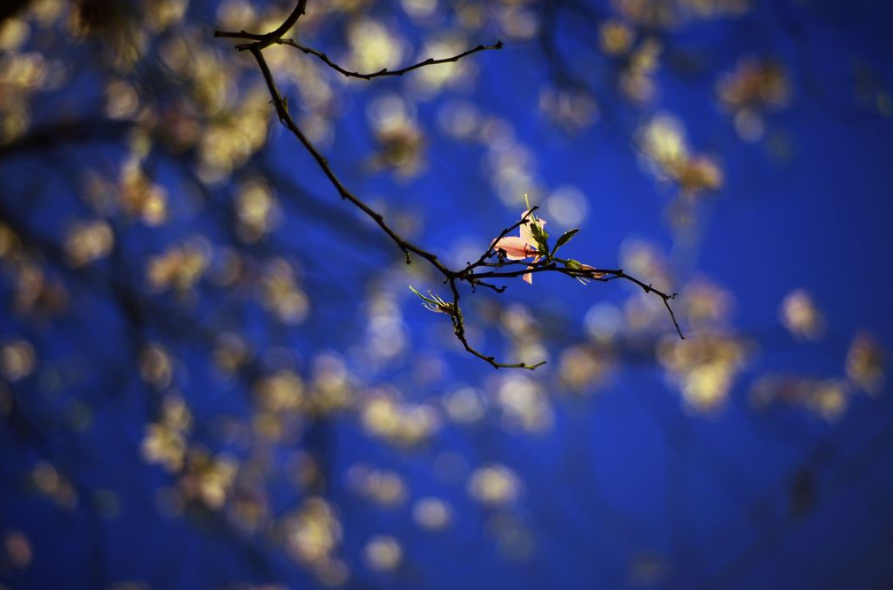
<point x="863" y="369"/>
<point x="664" y="145"/>
<point x="750" y="90"/>
<point x="25" y="71"/>
<point x="659" y="14"/>
<point x="38" y="292"/>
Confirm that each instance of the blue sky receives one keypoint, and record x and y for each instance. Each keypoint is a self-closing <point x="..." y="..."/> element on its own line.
<point x="628" y="488"/>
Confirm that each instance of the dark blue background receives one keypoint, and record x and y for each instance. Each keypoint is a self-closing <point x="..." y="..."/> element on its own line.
<point x="626" y="480"/>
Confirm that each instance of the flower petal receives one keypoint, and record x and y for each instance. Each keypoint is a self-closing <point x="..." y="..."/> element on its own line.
<point x="526" y="233"/>
<point x="528" y="278"/>
<point x="515" y="248"/>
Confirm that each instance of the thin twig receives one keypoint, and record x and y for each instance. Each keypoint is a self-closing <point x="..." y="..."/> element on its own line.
<point x="386" y="72"/>
<point x="459" y="329"/>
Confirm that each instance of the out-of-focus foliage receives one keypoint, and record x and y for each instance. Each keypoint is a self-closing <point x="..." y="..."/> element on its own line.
<point x="212" y="373"/>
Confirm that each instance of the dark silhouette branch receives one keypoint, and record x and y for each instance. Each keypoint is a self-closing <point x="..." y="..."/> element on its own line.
<point x="386" y="72"/>
<point x="68" y="132"/>
<point x="286" y="119"/>
<point x="545" y="260"/>
<point x="274" y="36"/>
<point x="261" y="41"/>
<point x="459" y="329"/>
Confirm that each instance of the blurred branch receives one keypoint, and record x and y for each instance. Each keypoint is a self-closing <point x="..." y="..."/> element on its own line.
<point x="843" y="477"/>
<point x="544" y="257"/>
<point x="81" y="130"/>
<point x="9" y="8"/>
<point x="142" y="311"/>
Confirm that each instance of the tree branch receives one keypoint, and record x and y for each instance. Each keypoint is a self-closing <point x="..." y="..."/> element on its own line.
<point x="386" y="72"/>
<point x="274" y="36"/>
<point x="547" y="262"/>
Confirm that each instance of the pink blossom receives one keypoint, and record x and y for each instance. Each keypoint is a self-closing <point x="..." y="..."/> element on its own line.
<point x="515" y="248"/>
<point x="523" y="246"/>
